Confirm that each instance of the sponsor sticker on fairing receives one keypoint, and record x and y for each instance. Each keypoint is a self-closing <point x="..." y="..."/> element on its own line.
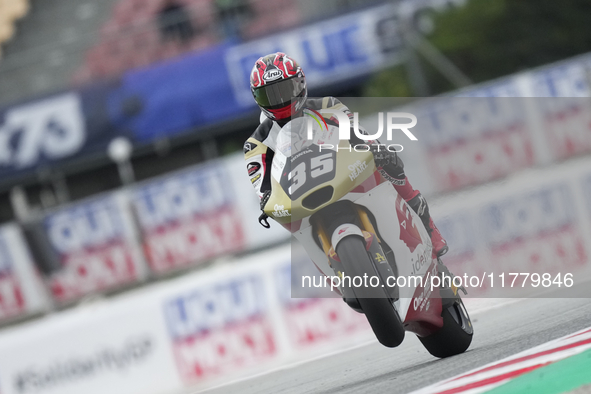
<point x="280" y="211"/>
<point x="356" y="169"/>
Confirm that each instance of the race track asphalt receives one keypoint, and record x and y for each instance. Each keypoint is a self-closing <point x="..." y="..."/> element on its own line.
<point x="499" y="332"/>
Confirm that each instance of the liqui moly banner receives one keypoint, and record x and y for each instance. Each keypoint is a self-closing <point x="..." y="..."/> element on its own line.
<point x="564" y="112"/>
<point x="188" y="217"/>
<point x="21" y="290"/>
<point x="586" y="188"/>
<point x="94" y="246"/>
<point x="221" y="327"/>
<point x="538" y="229"/>
<point x="469" y="141"/>
<point x="239" y="318"/>
<point x="315" y="323"/>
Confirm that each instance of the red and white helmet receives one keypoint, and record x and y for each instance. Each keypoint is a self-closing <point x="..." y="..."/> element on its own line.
<point x="278" y="85"/>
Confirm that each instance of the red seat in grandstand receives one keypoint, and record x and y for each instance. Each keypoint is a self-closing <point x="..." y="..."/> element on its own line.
<point x="132" y="36"/>
<point x="270" y="16"/>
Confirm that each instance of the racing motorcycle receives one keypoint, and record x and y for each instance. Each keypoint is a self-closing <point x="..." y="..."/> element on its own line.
<point x="352" y="223"/>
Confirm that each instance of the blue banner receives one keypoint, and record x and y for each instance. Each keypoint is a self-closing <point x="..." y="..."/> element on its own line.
<point x="213" y="86"/>
<point x="53" y="129"/>
<point x="175" y="97"/>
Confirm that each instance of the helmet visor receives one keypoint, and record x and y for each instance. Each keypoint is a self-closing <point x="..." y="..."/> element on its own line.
<point x="280" y="93"/>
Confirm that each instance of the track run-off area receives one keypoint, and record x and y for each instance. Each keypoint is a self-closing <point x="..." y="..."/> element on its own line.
<point x="537" y="345"/>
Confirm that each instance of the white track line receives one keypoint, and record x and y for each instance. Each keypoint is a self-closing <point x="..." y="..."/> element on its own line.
<point x="474" y="376"/>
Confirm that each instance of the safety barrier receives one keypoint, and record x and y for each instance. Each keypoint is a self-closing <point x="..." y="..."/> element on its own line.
<point x="194" y="331"/>
<point x="237" y="318"/>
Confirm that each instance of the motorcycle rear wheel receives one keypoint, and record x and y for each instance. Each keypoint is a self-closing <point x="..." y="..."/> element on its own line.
<point x="454" y="337"/>
<point x="377" y="307"/>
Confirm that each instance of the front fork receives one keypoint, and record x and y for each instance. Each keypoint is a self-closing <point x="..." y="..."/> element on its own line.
<point x="381" y="263"/>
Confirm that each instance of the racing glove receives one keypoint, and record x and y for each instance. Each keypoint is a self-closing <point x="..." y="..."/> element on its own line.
<point x="381" y="156"/>
<point x="263" y="218"/>
<point x="265" y="199"/>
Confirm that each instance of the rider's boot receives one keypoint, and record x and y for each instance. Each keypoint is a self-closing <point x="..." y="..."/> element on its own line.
<point x="419" y="205"/>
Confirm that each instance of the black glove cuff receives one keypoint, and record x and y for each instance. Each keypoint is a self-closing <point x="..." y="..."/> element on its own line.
<point x="265" y="199"/>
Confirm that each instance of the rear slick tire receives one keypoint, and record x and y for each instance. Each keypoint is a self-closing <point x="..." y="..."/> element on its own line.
<point x="452" y="338"/>
<point x="374" y="302"/>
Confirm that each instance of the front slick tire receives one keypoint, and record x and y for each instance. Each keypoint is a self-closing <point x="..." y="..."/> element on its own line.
<point x="454" y="337"/>
<point x="376" y="306"/>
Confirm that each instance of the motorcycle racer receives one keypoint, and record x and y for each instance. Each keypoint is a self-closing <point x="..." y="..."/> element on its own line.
<point x="278" y="85"/>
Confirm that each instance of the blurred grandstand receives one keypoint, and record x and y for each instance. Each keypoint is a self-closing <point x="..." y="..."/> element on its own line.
<point x="67" y="42"/>
<point x="95" y="47"/>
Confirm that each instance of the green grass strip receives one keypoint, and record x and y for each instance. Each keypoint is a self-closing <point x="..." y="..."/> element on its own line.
<point x="559" y="377"/>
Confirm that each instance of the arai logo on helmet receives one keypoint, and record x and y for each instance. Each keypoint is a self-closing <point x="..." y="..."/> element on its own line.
<point x="272" y="75"/>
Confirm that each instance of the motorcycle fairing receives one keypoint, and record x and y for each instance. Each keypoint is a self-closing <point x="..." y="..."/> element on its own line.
<point x="345" y="173"/>
<point x="384" y="198"/>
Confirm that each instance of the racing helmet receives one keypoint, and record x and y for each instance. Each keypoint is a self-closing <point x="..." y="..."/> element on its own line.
<point x="278" y="85"/>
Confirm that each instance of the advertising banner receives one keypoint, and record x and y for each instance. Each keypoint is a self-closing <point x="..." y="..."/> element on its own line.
<point x="532" y="226"/>
<point x="21" y="290"/>
<point x="118" y="348"/>
<point x="565" y="112"/>
<point x="95" y="247"/>
<point x="469" y="141"/>
<point x="457" y="228"/>
<point x="53" y="130"/>
<point x="331" y="51"/>
<point x="221" y="327"/>
<point x="239" y="318"/>
<point x="196" y="331"/>
<point x="586" y="188"/>
<point x="189" y="217"/>
<point x="313" y="324"/>
<point x="164" y="100"/>
<point x="535" y="231"/>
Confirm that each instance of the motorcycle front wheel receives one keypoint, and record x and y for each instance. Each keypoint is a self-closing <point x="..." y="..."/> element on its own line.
<point x="377" y="307"/>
